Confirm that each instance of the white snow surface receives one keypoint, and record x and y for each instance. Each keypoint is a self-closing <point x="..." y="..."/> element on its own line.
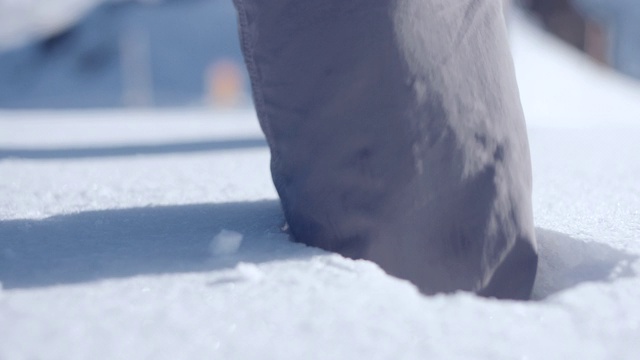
<point x="106" y="218"/>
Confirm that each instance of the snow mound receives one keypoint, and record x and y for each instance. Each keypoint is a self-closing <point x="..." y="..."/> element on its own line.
<point x="249" y="271"/>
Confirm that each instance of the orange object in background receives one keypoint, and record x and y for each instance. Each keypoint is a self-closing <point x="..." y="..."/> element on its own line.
<point x="226" y="87"/>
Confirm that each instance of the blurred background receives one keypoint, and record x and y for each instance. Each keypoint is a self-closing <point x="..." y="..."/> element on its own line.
<point x="608" y="31"/>
<point x="115" y="53"/>
<point x="166" y="53"/>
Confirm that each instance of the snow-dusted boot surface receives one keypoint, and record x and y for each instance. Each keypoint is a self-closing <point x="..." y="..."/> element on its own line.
<point x="397" y="136"/>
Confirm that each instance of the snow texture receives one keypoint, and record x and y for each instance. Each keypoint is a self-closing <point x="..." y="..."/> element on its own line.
<point x="106" y="219"/>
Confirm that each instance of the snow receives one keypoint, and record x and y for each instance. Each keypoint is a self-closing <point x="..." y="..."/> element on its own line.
<point x="107" y="218"/>
<point x="560" y="87"/>
<point x="249" y="271"/>
<point x="225" y="243"/>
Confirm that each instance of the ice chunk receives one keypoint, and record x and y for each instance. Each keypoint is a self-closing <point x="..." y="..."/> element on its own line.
<point x="227" y="242"/>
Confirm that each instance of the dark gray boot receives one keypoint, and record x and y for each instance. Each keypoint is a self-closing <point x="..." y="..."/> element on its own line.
<point x="397" y="135"/>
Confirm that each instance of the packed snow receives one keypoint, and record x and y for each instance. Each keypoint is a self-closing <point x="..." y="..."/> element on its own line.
<point x="107" y="220"/>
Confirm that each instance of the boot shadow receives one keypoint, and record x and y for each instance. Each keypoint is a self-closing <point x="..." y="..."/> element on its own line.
<point x="565" y="262"/>
<point x="120" y="243"/>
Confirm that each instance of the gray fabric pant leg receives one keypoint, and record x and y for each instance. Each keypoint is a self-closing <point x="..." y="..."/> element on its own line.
<point x="397" y="135"/>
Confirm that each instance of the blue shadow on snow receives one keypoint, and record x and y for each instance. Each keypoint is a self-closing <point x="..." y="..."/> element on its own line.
<point x="95" y="245"/>
<point x="118" y="243"/>
<point x="131" y="150"/>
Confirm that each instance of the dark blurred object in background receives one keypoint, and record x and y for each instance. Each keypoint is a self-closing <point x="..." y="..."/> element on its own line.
<point x="561" y="18"/>
<point x="621" y="18"/>
<point x="607" y="30"/>
<point x="129" y="53"/>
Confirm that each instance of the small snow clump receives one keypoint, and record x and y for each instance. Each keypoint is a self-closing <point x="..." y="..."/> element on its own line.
<point x="227" y="242"/>
<point x="249" y="271"/>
